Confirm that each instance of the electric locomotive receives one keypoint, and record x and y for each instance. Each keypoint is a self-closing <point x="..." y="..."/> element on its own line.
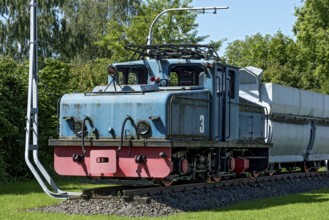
<point x="178" y="113"/>
<point x="174" y="114"/>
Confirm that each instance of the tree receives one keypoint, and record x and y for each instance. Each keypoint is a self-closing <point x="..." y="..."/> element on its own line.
<point x="84" y="77"/>
<point x="85" y="22"/>
<point x="303" y="64"/>
<point x="13" y="78"/>
<point x="276" y="55"/>
<point x="15" y="28"/>
<point x="253" y="51"/>
<point x="312" y="33"/>
<point x="54" y="81"/>
<point x="173" y="27"/>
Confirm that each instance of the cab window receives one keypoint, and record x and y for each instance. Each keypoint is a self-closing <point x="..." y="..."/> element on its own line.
<point x="130" y="75"/>
<point x="186" y="75"/>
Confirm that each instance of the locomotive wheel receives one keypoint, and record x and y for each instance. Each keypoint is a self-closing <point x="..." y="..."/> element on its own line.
<point x="254" y="174"/>
<point x="305" y="167"/>
<point x="270" y="169"/>
<point x="166" y="182"/>
<point x="216" y="178"/>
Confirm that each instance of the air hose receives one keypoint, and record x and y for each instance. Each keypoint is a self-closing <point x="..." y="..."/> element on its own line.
<point x="123" y="127"/>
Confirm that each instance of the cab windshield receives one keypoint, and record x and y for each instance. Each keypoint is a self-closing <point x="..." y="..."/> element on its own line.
<point x="132" y="75"/>
<point x="186" y="75"/>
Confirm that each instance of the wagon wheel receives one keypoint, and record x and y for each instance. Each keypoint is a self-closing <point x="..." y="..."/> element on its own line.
<point x="254" y="174"/>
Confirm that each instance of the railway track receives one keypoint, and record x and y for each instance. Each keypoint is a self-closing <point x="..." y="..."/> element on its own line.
<point x="143" y="193"/>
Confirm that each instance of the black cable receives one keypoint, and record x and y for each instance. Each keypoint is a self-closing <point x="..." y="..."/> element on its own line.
<point x="123" y="127"/>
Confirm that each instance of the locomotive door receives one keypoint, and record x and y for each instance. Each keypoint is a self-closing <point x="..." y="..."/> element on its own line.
<point x="231" y="106"/>
<point x="219" y="103"/>
<point x="226" y="103"/>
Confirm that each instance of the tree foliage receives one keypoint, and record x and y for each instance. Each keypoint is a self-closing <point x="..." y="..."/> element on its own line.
<point x="86" y="22"/>
<point x="70" y="29"/>
<point x="54" y="81"/>
<point x="303" y="63"/>
<point x="172" y="27"/>
<point x="251" y="51"/>
<point x="84" y="77"/>
<point x="312" y="33"/>
<point x="66" y="29"/>
<point x="275" y="54"/>
<point x="15" y="27"/>
<point x="13" y="80"/>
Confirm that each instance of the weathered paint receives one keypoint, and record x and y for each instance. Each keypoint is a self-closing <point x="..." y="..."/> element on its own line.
<point x="109" y="111"/>
<point x="123" y="165"/>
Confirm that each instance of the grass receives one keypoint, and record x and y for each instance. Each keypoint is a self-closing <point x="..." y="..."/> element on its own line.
<point x="15" y="198"/>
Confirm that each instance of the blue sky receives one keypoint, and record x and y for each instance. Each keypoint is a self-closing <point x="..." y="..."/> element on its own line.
<point x="246" y="17"/>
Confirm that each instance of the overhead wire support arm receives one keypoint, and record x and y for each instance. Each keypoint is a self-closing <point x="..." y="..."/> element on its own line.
<point x="203" y="9"/>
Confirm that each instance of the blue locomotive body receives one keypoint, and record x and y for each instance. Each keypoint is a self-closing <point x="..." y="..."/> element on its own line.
<point x="192" y="96"/>
<point x="168" y="117"/>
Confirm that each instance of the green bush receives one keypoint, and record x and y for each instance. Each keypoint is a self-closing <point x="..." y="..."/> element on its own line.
<point x="53" y="83"/>
<point x="3" y="167"/>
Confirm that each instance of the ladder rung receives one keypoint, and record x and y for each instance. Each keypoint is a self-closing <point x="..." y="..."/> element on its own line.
<point x="33" y="147"/>
<point x="34" y="110"/>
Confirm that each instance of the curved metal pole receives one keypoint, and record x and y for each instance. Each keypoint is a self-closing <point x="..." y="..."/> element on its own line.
<point x="149" y="37"/>
<point x="31" y="136"/>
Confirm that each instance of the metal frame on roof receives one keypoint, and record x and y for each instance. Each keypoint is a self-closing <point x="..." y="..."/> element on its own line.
<point x="174" y="51"/>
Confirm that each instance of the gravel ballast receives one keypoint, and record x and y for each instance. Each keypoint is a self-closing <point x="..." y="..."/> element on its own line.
<point x="173" y="203"/>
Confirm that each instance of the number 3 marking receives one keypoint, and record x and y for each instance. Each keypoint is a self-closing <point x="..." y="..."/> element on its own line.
<point x="202" y="124"/>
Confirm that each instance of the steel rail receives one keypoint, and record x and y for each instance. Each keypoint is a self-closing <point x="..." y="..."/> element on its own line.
<point x="143" y="193"/>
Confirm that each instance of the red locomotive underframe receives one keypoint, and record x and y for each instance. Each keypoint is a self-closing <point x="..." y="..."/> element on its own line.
<point x="109" y="162"/>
